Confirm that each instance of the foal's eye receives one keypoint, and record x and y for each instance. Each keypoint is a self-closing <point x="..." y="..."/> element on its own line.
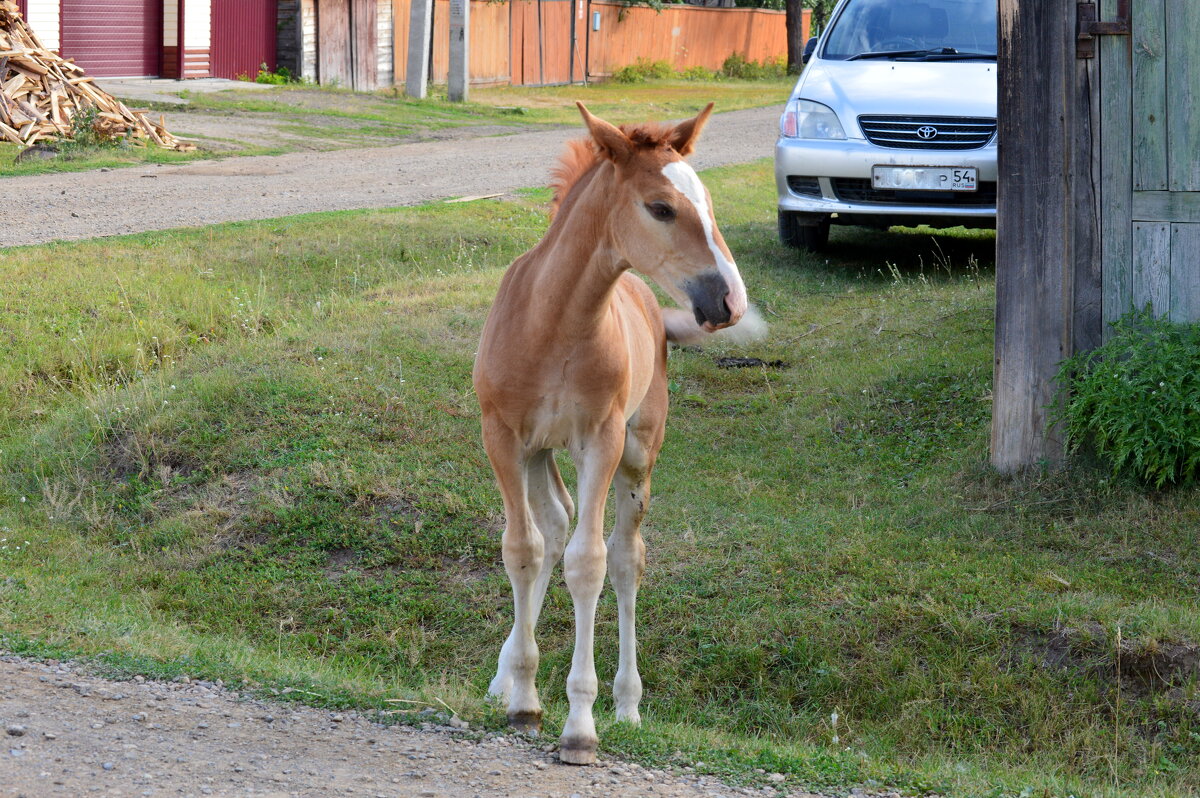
<point x="661" y="211"/>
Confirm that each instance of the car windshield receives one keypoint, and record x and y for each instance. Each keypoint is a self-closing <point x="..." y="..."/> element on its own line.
<point x="913" y="30"/>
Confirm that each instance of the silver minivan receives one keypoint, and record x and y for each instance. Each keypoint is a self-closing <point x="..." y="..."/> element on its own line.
<point x="892" y="122"/>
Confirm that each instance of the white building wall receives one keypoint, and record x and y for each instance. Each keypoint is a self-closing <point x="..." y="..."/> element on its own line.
<point x="308" y="39"/>
<point x="170" y="23"/>
<point x="197" y="25"/>
<point x="383" y="44"/>
<point x="43" y="18"/>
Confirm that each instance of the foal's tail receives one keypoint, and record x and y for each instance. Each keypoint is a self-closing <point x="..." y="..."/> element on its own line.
<point x="682" y="328"/>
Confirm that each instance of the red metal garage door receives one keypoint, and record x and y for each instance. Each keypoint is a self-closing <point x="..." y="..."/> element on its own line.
<point x="243" y="37"/>
<point x="113" y="38"/>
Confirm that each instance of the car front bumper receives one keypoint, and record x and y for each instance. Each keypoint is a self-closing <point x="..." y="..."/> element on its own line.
<point x="853" y="159"/>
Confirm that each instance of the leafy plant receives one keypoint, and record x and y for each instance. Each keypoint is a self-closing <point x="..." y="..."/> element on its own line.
<point x="696" y="73"/>
<point x="642" y="70"/>
<point x="737" y="67"/>
<point x="278" y="77"/>
<point x="1137" y="398"/>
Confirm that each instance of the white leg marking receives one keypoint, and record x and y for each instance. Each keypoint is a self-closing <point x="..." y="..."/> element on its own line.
<point x="626" y="563"/>
<point x="584" y="566"/>
<point x="550" y="519"/>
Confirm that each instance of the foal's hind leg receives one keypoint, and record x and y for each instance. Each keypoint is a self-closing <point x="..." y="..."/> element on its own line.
<point x="627" y="557"/>
<point x="523" y="550"/>
<point x="551" y="509"/>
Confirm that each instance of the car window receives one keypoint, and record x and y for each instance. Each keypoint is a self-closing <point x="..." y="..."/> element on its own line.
<point x="883" y="26"/>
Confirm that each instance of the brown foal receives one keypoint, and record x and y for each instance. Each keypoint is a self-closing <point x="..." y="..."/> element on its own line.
<point x="574" y="356"/>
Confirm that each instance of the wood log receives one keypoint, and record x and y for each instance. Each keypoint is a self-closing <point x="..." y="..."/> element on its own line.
<point x="41" y="93"/>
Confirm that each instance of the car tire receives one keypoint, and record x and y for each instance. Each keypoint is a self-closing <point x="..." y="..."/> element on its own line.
<point x="803" y="230"/>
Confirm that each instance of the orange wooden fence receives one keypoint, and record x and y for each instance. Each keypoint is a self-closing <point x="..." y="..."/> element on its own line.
<point x="684" y="36"/>
<point x="489" y="41"/>
<point x="527" y="42"/>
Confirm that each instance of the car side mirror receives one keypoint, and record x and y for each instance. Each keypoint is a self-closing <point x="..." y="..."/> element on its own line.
<point x="809" y="47"/>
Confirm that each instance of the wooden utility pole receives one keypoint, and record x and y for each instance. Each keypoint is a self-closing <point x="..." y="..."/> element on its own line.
<point x="1048" y="286"/>
<point x="460" y="47"/>
<point x="420" y="29"/>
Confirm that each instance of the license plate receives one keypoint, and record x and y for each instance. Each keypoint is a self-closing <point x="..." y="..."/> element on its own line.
<point x="925" y="178"/>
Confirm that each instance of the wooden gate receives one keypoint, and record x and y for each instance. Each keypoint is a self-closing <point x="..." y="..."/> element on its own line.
<point x="243" y="37"/>
<point x="1150" y="161"/>
<point x="1099" y="205"/>
<point x="545" y="41"/>
<point x="346" y="32"/>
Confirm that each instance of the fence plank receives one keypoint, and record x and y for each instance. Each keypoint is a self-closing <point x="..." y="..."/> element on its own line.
<point x="1183" y="96"/>
<point x="1116" y="178"/>
<point x="1152" y="266"/>
<point x="1149" y="96"/>
<point x="1185" y="272"/>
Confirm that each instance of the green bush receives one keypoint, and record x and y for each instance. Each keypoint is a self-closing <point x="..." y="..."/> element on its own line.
<point x="642" y="70"/>
<point x="1137" y="398"/>
<point x="697" y="73"/>
<point x="737" y="67"/>
<point x="279" y="77"/>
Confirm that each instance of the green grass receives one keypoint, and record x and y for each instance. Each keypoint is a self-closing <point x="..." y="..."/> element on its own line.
<point x="391" y="109"/>
<point x="252" y="451"/>
<point x="326" y="118"/>
<point x="85" y="158"/>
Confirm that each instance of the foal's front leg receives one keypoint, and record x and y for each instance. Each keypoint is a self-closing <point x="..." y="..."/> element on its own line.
<point x="584" y="566"/>
<point x="551" y="507"/>
<point x="523" y="550"/>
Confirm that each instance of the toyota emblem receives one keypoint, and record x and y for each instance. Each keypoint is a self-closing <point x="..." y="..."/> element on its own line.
<point x="927" y="132"/>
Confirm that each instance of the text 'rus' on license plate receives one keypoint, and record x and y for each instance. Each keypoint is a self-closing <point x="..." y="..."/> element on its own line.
<point x="925" y="178"/>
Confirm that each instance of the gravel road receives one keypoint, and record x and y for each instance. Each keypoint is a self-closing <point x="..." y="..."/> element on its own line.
<point x="157" y="197"/>
<point x="64" y="732"/>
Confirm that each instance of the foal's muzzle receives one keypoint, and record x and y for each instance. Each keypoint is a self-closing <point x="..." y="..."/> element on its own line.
<point x="707" y="293"/>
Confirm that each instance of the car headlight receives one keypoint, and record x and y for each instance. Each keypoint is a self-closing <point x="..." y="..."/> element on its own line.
<point x="805" y="119"/>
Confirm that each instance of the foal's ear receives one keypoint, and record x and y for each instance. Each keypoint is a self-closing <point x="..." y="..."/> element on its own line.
<point x="683" y="137"/>
<point x="614" y="144"/>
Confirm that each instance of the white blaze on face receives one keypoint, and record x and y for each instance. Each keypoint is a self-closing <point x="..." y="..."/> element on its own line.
<point x="685" y="180"/>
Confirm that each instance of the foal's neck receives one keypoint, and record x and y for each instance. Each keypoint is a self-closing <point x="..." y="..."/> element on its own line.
<point x="577" y="262"/>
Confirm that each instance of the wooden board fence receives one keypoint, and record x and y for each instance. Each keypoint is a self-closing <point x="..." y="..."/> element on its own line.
<point x="489" y="42"/>
<point x="684" y="36"/>
<point x="508" y="46"/>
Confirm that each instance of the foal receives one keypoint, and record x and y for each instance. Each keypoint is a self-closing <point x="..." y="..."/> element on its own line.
<point x="573" y="357"/>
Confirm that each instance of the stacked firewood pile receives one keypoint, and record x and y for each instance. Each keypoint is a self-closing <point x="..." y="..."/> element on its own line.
<point x="46" y="97"/>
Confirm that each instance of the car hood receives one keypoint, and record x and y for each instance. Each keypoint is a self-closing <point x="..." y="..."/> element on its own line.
<point x="908" y="88"/>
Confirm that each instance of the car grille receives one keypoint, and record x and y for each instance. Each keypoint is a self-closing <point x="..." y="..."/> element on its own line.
<point x="855" y="189"/>
<point x="928" y="132"/>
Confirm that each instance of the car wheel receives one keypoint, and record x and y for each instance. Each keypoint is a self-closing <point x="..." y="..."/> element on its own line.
<point x="803" y="230"/>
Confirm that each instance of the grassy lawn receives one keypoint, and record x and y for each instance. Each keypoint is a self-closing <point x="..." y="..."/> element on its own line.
<point x="251" y="451"/>
<point x="326" y="118"/>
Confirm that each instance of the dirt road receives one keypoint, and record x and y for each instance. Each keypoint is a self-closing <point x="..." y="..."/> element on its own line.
<point x="156" y="197"/>
<point x="65" y="733"/>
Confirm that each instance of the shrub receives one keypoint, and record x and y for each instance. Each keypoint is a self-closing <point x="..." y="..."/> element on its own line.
<point x="279" y="77"/>
<point x="1137" y="398"/>
<point x="736" y="66"/>
<point x="697" y="73"/>
<point x="642" y="70"/>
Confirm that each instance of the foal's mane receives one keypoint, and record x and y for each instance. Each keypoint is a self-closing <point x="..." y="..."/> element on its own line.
<point x="583" y="155"/>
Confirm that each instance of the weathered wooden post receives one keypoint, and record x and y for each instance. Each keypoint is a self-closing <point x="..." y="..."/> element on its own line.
<point x="1048" y="291"/>
<point x="460" y="41"/>
<point x="420" y="26"/>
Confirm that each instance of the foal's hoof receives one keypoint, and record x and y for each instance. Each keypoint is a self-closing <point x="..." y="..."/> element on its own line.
<point x="526" y="722"/>
<point x="577" y="751"/>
